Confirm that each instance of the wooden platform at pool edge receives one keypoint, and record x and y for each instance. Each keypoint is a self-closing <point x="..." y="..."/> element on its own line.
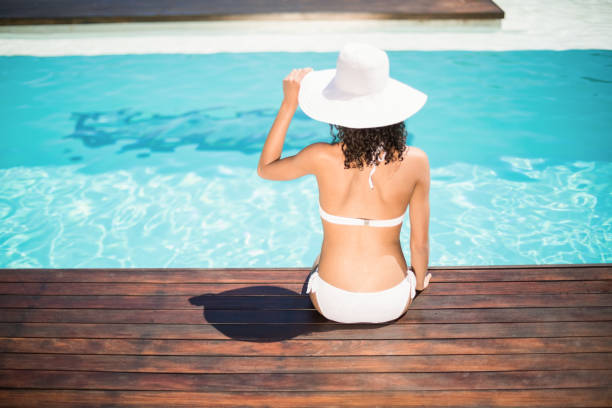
<point x="109" y="11"/>
<point x="533" y="336"/>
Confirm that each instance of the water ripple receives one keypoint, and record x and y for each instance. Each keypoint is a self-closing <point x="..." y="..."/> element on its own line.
<point x="229" y="217"/>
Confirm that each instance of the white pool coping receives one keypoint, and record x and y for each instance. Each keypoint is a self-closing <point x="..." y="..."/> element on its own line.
<point x="528" y="25"/>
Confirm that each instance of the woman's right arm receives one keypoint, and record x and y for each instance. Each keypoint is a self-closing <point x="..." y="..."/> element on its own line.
<point x="419" y="223"/>
<point x="271" y="166"/>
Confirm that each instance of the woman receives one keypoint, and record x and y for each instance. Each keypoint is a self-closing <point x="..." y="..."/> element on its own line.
<point x="367" y="177"/>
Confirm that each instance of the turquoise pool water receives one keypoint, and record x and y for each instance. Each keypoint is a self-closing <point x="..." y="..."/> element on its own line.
<point x="149" y="160"/>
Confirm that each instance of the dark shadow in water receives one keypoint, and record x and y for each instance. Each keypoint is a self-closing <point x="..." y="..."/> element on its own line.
<point x="266" y="314"/>
<point x="591" y="79"/>
<point x="217" y="128"/>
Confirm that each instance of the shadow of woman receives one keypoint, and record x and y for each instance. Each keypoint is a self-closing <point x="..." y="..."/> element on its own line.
<point x="266" y="314"/>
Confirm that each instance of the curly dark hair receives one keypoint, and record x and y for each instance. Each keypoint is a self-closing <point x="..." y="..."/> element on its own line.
<point x="360" y="145"/>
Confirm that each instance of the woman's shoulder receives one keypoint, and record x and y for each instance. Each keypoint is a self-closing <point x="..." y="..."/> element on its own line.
<point x="316" y="156"/>
<point x="416" y="155"/>
<point x="417" y="162"/>
<point x="321" y="150"/>
<point x="412" y="151"/>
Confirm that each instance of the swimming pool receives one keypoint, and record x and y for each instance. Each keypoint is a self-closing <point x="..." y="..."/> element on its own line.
<point x="149" y="160"/>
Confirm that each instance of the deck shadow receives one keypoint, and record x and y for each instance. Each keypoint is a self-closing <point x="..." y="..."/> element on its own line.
<point x="266" y="313"/>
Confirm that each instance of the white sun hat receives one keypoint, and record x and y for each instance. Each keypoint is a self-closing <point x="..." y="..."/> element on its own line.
<point x="359" y="93"/>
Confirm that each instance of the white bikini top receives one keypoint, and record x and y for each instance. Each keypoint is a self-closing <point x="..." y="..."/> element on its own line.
<point x="335" y="219"/>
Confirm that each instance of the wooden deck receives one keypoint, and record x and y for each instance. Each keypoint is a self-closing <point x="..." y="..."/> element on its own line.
<point x="79" y="11"/>
<point x="485" y="336"/>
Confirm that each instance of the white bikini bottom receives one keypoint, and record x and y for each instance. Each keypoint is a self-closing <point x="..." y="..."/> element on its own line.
<point x="344" y="306"/>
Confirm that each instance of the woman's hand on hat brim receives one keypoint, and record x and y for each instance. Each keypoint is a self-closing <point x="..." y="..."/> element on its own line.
<point x="291" y="85"/>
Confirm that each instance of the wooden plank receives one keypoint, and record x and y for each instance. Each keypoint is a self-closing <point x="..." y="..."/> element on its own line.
<point x="474" y="380"/>
<point x="318" y="364"/>
<point x="296" y="347"/>
<point x="229" y="289"/>
<point x="188" y="289"/>
<point x="74" y="11"/>
<point x="260" y="332"/>
<point x="574" y="397"/>
<point x="159" y="302"/>
<point x="522" y="267"/>
<point x="210" y="302"/>
<point x="502" y="336"/>
<point x="197" y="316"/>
<point x="298" y="275"/>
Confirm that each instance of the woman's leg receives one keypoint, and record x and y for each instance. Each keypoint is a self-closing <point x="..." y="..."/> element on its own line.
<point x="410" y="298"/>
<point x="313" y="295"/>
<point x="407" y="305"/>
<point x="313" y="299"/>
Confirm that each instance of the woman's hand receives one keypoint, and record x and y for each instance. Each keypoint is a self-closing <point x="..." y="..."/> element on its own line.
<point x="427" y="279"/>
<point x="271" y="166"/>
<point x="291" y="85"/>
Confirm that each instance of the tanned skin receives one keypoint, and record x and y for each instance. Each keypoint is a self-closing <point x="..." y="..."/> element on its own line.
<point x="356" y="258"/>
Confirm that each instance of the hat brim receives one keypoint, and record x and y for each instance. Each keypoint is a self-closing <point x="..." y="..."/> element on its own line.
<point x="319" y="99"/>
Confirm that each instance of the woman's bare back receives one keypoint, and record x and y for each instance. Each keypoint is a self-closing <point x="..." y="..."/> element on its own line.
<point x="364" y="258"/>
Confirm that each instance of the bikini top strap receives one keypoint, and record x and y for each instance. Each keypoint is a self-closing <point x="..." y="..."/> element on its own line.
<point x="380" y="158"/>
